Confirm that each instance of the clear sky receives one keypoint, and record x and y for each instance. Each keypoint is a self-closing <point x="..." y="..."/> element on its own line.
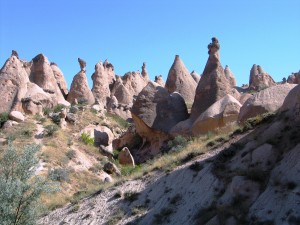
<point x="130" y="32"/>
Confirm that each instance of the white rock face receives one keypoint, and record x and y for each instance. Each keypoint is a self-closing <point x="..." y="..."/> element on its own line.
<point x="16" y="116"/>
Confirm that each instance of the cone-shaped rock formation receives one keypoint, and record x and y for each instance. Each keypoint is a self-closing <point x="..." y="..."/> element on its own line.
<point x="259" y="79"/>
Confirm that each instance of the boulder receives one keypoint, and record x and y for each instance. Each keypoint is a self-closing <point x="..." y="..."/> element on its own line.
<point x="16" y="116"/>
<point x="121" y="93"/>
<point x="71" y="118"/>
<point x="220" y="114"/>
<point x="32" y="107"/>
<point x="102" y="135"/>
<point x="102" y="78"/>
<point x="195" y="76"/>
<point x="267" y="100"/>
<point x="60" y="79"/>
<point x="111" y="168"/>
<point x="125" y="157"/>
<point x="159" y="80"/>
<point x="80" y="89"/>
<point x="230" y="77"/>
<point x="179" y="80"/>
<point x="213" y="84"/>
<point x="259" y="79"/>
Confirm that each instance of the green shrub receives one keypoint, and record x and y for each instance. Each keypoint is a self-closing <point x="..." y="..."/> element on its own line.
<point x="58" y="108"/>
<point x="56" y="118"/>
<point x="3" y="118"/>
<point x="71" y="154"/>
<point x="178" y="143"/>
<point x="46" y="111"/>
<point x="131" y="196"/>
<point x="26" y="133"/>
<point x="127" y="170"/>
<point x="59" y="174"/>
<point x="87" y="139"/>
<point x="123" y="123"/>
<point x="49" y="130"/>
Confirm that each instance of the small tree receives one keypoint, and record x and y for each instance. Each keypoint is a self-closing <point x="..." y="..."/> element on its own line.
<point x="19" y="189"/>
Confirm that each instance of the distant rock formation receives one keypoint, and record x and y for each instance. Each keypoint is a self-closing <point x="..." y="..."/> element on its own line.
<point x="144" y="72"/>
<point x="80" y="90"/>
<point x="159" y="80"/>
<point x="60" y="79"/>
<point x="154" y="113"/>
<point x="180" y="80"/>
<point x="102" y="78"/>
<point x="195" y="76"/>
<point x="82" y="64"/>
<point x="294" y="78"/>
<point x="259" y="79"/>
<point x="213" y="84"/>
<point x="229" y="75"/>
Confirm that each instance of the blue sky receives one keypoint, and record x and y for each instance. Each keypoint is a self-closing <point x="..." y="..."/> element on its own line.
<point x="130" y="32"/>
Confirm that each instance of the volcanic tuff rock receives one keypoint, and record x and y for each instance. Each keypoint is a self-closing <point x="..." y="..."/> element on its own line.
<point x="125" y="157"/>
<point x="213" y="84"/>
<point x="294" y="78"/>
<point x="102" y="78"/>
<point x="267" y="100"/>
<point x="180" y="80"/>
<point x="220" y="114"/>
<point x="259" y="79"/>
<point x="80" y="89"/>
<point x="121" y="93"/>
<point x="60" y="79"/>
<point x="229" y="75"/>
<point x="159" y="80"/>
<point x="195" y="76"/>
<point x="155" y="112"/>
<point x="145" y="72"/>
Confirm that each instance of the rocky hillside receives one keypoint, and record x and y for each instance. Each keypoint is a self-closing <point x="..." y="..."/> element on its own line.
<point x="195" y="149"/>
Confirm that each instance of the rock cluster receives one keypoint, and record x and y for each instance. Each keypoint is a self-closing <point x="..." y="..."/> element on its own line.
<point x="259" y="79"/>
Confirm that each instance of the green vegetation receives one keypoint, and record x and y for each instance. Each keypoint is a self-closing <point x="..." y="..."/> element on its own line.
<point x="50" y="129"/>
<point x="19" y="191"/>
<point x="3" y="118"/>
<point x="120" y="121"/>
<point x="87" y="139"/>
<point x="178" y="143"/>
<point x="59" y="174"/>
<point x="116" y="217"/>
<point x="71" y="154"/>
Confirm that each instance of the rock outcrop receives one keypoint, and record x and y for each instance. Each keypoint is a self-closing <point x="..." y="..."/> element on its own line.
<point x="159" y="80"/>
<point x="259" y="79"/>
<point x="179" y="80"/>
<point x="155" y="112"/>
<point x="229" y="75"/>
<point x="102" y="78"/>
<point x="80" y="90"/>
<point x="267" y="100"/>
<point x="221" y="113"/>
<point x="213" y="84"/>
<point x="125" y="157"/>
<point x="195" y="76"/>
<point x="60" y="79"/>
<point x="294" y="78"/>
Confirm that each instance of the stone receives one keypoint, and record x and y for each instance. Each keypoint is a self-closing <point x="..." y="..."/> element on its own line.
<point x="111" y="169"/>
<point x="80" y="89"/>
<point x="230" y="77"/>
<point x="213" y="84"/>
<point x="159" y="80"/>
<point x="16" y="116"/>
<point x="3" y="141"/>
<point x="259" y="79"/>
<point x="71" y="118"/>
<point x="121" y="93"/>
<point x="195" y="76"/>
<point x="221" y="113"/>
<point x="60" y="79"/>
<point x="63" y="123"/>
<point x="82" y="64"/>
<point x="32" y="107"/>
<point x="179" y="80"/>
<point x="267" y="100"/>
<point x="102" y="78"/>
<point x="125" y="157"/>
<point x="294" y="78"/>
<point x="145" y="72"/>
<point x="63" y="113"/>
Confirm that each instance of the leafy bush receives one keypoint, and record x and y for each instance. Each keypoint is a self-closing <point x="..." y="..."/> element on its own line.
<point x="58" y="108"/>
<point x="59" y="174"/>
<point x="3" y="118"/>
<point x="123" y="123"/>
<point x="177" y="143"/>
<point x="26" y="133"/>
<point x="19" y="190"/>
<point x="87" y="139"/>
<point x="46" y="111"/>
<point x="49" y="130"/>
<point x="71" y="154"/>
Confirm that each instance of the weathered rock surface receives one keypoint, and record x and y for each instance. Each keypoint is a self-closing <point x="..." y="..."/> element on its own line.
<point x="229" y="75"/>
<point x="80" y="90"/>
<point x="195" y="76"/>
<point x="213" y="84"/>
<point x="125" y="157"/>
<point x="267" y="100"/>
<point x="159" y="80"/>
<point x="259" y="79"/>
<point x="102" y="78"/>
<point x="60" y="79"/>
<point x="179" y="80"/>
<point x="111" y="169"/>
<point x="221" y="113"/>
<point x="294" y="78"/>
<point x="16" y="116"/>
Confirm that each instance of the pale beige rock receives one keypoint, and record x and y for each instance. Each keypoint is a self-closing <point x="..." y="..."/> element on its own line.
<point x="267" y="100"/>
<point x="80" y="89"/>
<point x="3" y="141"/>
<point x="60" y="79"/>
<point x="125" y="157"/>
<point x="32" y="107"/>
<point x="121" y="93"/>
<point x="63" y="123"/>
<point x="220" y="114"/>
<point x="259" y="79"/>
<point x="16" y="116"/>
<point x="294" y="78"/>
<point x="134" y="82"/>
<point x="195" y="76"/>
<point x="230" y="77"/>
<point x="213" y="84"/>
<point x="145" y="72"/>
<point x="179" y="80"/>
<point x="159" y="80"/>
